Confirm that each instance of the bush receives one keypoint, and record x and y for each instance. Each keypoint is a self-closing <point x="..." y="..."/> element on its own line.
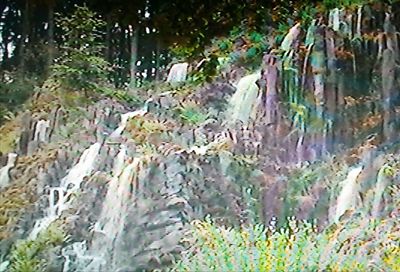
<point x="360" y="245"/>
<point x="81" y="66"/>
<point x="191" y="114"/>
<point x="14" y="92"/>
<point x="25" y="256"/>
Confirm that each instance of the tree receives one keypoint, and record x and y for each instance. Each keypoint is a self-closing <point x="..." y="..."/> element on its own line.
<point x="81" y="66"/>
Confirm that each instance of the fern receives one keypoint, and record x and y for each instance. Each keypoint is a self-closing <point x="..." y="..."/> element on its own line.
<point x="26" y="255"/>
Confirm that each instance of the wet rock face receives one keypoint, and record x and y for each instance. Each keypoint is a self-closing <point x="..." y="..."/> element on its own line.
<point x="83" y="215"/>
<point x="42" y="165"/>
<point x="3" y="160"/>
<point x="214" y="95"/>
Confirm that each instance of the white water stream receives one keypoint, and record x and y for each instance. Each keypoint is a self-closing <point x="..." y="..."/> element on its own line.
<point x="178" y="72"/>
<point x="4" y="171"/>
<point x="95" y="257"/>
<point x="40" y="130"/>
<point x="60" y="197"/>
<point x="129" y="115"/>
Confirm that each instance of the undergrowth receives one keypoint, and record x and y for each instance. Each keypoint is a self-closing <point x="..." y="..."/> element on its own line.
<point x="356" y="245"/>
<point x="26" y="256"/>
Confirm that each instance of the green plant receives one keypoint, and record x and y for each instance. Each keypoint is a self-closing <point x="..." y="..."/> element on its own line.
<point x="354" y="246"/>
<point x="281" y="32"/>
<point x="14" y="91"/>
<point x="5" y="114"/>
<point x="81" y="66"/>
<point x="183" y="52"/>
<point x="330" y="4"/>
<point x="191" y="115"/>
<point x="26" y="255"/>
<point x="120" y="95"/>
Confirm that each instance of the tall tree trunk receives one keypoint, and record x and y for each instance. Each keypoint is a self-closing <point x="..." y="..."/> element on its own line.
<point x="50" y="33"/>
<point x="24" y="36"/>
<point x="108" y="48"/>
<point x="134" y="38"/>
<point x="158" y="60"/>
<point x="5" y="54"/>
<point x="4" y="37"/>
<point x="118" y="76"/>
<point x="108" y="38"/>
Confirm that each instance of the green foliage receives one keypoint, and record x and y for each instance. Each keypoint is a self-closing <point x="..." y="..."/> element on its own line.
<point x="14" y="91"/>
<point x="330" y="4"/>
<point x="81" y="29"/>
<point x="307" y="14"/>
<point x="183" y="52"/>
<point x="281" y="32"/>
<point x="356" y="246"/>
<point x="208" y="72"/>
<point x="81" y="66"/>
<point x="120" y="95"/>
<point x="256" y="37"/>
<point x="26" y="255"/>
<point x="5" y="114"/>
<point x="190" y="114"/>
<point x="224" y="45"/>
<point x="249" y="45"/>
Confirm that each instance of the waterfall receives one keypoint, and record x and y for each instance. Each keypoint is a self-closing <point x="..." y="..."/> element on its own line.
<point x="334" y="19"/>
<point x="178" y="72"/>
<point x="245" y="100"/>
<point x="4" y="171"/>
<point x="126" y="116"/>
<point x="119" y="162"/>
<point x="111" y="221"/>
<point x="112" y="214"/>
<point x="40" y="130"/>
<point x="60" y="197"/>
<point x="78" y="250"/>
<point x="291" y="37"/>
<point x="359" y="20"/>
<point x="348" y="195"/>
<point x="382" y="181"/>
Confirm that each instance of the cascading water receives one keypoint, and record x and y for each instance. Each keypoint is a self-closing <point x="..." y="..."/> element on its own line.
<point x="334" y="19"/>
<point x="60" y="197"/>
<point x="40" y="130"/>
<point x="126" y="116"/>
<point x="291" y="37"/>
<point x="359" y="20"/>
<point x="347" y="197"/>
<point x="245" y="100"/>
<point x="112" y="219"/>
<point x="96" y="256"/>
<point x="110" y="224"/>
<point x="323" y="48"/>
<point x="178" y="72"/>
<point x="4" y="171"/>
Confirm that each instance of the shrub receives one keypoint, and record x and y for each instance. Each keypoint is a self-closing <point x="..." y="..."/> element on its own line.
<point x="14" y="92"/>
<point x="354" y="246"/>
<point x="81" y="66"/>
<point x="191" y="114"/>
<point x="25" y="256"/>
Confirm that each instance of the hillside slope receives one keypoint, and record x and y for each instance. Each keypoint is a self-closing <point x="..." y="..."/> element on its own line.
<point x="103" y="184"/>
